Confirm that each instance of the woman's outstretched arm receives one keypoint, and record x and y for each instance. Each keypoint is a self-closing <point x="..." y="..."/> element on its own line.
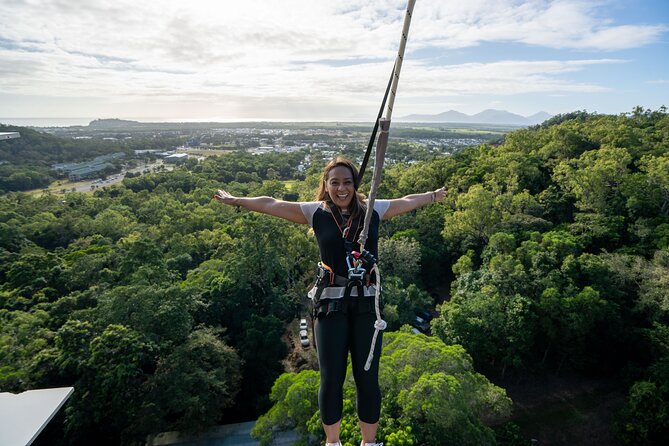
<point x="267" y="205"/>
<point x="410" y="202"/>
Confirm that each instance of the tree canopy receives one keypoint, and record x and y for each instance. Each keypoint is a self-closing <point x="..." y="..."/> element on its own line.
<point x="166" y="310"/>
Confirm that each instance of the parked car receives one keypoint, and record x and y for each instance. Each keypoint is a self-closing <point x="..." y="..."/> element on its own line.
<point x="304" y="338"/>
<point x="303" y="324"/>
<point x="421" y="324"/>
<point x="425" y="315"/>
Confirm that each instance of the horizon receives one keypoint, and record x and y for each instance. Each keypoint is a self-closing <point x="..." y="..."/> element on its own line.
<point x="83" y="121"/>
<point x="324" y="62"/>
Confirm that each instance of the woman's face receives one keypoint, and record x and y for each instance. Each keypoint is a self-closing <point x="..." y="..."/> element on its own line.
<point x="340" y="186"/>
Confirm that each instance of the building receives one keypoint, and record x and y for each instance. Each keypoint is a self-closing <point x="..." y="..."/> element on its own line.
<point x="111" y="156"/>
<point x="65" y="167"/>
<point x="87" y="171"/>
<point x="262" y="149"/>
<point x="176" y="158"/>
<point x="9" y="135"/>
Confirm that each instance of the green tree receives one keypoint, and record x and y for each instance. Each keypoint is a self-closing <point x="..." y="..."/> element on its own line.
<point x="23" y="335"/>
<point x="163" y="315"/>
<point x="400" y="257"/>
<point x="112" y="223"/>
<point x="475" y="218"/>
<point x="110" y="395"/>
<point x="657" y="175"/>
<point x="295" y="400"/>
<point x="64" y="363"/>
<point x="402" y="302"/>
<point x="595" y="178"/>
<point x="497" y="329"/>
<point x="193" y="384"/>
<point x="645" y="420"/>
<point x="431" y="395"/>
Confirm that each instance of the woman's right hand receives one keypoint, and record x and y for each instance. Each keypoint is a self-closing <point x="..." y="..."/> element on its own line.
<point x="225" y="197"/>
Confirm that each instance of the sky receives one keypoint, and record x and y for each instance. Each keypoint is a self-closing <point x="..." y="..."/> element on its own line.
<point x="327" y="60"/>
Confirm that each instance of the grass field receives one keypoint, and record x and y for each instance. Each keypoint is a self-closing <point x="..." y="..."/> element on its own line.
<point x="210" y="152"/>
<point x="58" y="186"/>
<point x="290" y="184"/>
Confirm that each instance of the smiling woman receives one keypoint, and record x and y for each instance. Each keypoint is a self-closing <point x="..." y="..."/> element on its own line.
<point x="343" y="305"/>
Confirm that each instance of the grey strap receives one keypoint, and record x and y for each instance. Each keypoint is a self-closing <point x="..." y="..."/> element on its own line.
<point x="337" y="292"/>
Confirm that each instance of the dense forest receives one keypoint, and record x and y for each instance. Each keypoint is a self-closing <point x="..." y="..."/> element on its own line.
<point x="168" y="311"/>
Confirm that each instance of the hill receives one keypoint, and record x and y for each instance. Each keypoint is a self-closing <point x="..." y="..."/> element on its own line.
<point x="112" y="123"/>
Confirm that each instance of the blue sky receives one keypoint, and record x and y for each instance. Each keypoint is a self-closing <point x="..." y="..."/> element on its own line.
<point x="325" y="60"/>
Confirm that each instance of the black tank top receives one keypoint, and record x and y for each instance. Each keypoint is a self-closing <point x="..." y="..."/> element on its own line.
<point x="331" y="243"/>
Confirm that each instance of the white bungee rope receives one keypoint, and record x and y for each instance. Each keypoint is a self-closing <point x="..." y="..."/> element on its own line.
<point x="380" y="154"/>
<point x="379" y="324"/>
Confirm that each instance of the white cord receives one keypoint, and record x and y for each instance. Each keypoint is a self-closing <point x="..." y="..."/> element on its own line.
<point x="379" y="324"/>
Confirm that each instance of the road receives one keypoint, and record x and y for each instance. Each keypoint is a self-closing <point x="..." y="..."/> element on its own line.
<point x="85" y="186"/>
<point x="227" y="435"/>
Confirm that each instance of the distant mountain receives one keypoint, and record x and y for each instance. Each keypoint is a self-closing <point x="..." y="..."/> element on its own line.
<point x="449" y="116"/>
<point x="490" y="116"/>
<point x="540" y="117"/>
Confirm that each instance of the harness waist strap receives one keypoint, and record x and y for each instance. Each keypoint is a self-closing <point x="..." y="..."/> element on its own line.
<point x="337" y="292"/>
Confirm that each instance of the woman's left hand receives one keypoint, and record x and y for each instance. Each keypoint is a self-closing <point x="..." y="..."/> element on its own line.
<point x="440" y="194"/>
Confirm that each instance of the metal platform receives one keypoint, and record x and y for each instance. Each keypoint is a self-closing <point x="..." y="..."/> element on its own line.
<point x="24" y="415"/>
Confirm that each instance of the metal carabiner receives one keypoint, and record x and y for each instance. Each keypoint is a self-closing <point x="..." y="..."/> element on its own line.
<point x="355" y="270"/>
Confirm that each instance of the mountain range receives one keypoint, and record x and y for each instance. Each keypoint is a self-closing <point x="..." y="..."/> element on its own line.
<point x="490" y="116"/>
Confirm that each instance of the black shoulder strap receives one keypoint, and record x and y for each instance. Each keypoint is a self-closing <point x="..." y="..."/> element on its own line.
<point x="336" y="213"/>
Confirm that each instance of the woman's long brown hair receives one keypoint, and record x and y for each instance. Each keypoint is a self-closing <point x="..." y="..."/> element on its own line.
<point x="357" y="204"/>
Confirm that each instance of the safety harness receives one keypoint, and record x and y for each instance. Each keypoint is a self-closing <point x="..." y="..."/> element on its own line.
<point x="332" y="287"/>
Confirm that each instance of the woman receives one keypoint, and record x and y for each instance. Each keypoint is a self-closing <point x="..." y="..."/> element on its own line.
<point x="344" y="322"/>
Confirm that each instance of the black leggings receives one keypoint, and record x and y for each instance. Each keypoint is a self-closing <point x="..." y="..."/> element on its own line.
<point x="336" y="334"/>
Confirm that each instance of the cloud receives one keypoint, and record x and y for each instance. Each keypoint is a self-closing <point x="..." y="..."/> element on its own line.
<point x="501" y="78"/>
<point x="339" y="52"/>
<point x="207" y="32"/>
<point x="562" y="24"/>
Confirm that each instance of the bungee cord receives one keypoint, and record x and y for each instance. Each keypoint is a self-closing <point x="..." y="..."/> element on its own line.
<point x="381" y="145"/>
<point x="372" y="138"/>
<point x="384" y="124"/>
